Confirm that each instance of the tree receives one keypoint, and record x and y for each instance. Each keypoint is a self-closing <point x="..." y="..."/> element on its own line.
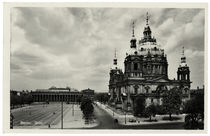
<point x="172" y="101"/>
<point x="102" y="97"/>
<point x="151" y="110"/>
<point x="195" y="112"/>
<point x="160" y="109"/>
<point x="87" y="108"/>
<point x="28" y="98"/>
<point x="139" y="105"/>
<point x="79" y="99"/>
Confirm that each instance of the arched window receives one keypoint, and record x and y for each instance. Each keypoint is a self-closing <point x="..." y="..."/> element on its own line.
<point x="161" y="89"/>
<point x="155" y="48"/>
<point x="136" y="90"/>
<point x="135" y="66"/>
<point x="186" y="90"/>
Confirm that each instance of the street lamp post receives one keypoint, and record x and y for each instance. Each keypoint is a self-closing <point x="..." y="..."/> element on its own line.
<point x="61" y="112"/>
<point x="112" y="109"/>
<point x="125" y="117"/>
<point x="73" y="109"/>
<point x="113" y="112"/>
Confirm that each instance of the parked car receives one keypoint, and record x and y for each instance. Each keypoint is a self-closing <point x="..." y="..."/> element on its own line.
<point x="132" y="120"/>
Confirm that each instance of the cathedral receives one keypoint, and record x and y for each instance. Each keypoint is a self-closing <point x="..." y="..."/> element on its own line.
<point x="145" y="73"/>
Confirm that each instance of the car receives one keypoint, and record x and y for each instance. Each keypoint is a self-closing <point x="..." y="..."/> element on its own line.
<point x="132" y="120"/>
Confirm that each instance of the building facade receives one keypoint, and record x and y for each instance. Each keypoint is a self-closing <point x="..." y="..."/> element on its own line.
<point x="145" y="73"/>
<point x="54" y="94"/>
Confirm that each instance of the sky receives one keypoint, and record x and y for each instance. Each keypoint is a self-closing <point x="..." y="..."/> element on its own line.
<point x="75" y="46"/>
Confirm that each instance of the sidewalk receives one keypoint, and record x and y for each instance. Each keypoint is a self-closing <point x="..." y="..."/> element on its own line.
<point x="74" y="119"/>
<point x="129" y="119"/>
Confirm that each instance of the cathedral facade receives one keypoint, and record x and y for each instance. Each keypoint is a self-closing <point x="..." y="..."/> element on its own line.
<point x="145" y="73"/>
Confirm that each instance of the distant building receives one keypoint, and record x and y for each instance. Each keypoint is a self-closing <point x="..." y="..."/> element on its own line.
<point x="145" y="74"/>
<point x="55" y="94"/>
<point x="194" y="92"/>
<point x="88" y="92"/>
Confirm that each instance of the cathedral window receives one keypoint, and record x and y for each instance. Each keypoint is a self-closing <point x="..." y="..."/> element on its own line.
<point x="155" y="48"/>
<point x="136" y="90"/>
<point x="135" y="66"/>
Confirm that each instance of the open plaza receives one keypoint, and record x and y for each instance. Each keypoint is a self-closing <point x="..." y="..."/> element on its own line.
<point x="48" y="116"/>
<point x="42" y="115"/>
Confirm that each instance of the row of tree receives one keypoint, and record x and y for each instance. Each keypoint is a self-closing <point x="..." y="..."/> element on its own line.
<point x="101" y="97"/>
<point x="21" y="99"/>
<point x="195" y="112"/>
<point x="172" y="100"/>
<point x="171" y="104"/>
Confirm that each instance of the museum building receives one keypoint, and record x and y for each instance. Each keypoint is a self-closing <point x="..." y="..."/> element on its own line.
<point x="145" y="74"/>
<point x="54" y="94"/>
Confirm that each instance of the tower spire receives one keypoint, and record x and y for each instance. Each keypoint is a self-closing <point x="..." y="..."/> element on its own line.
<point x="115" y="58"/>
<point x="147" y="32"/>
<point x="183" y="58"/>
<point x="147" y="19"/>
<point x="183" y="51"/>
<point x="133" y="39"/>
<point x="115" y="54"/>
<point x="133" y="25"/>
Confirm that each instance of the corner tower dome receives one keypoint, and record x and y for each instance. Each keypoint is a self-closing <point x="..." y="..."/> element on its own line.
<point x="183" y="72"/>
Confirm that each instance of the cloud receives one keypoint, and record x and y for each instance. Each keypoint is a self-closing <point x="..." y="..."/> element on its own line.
<point x="173" y="34"/>
<point x="75" y="46"/>
<point x="194" y="53"/>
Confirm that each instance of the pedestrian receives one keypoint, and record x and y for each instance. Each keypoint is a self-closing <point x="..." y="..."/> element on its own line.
<point x="11" y="120"/>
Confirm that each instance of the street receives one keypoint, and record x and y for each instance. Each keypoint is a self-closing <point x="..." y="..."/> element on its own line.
<point x="104" y="119"/>
<point x="107" y="122"/>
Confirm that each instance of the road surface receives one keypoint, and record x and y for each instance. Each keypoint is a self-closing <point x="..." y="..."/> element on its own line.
<point x="106" y="121"/>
